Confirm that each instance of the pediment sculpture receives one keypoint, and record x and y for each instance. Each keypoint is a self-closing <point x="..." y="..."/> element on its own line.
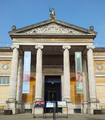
<point x="54" y="29"/>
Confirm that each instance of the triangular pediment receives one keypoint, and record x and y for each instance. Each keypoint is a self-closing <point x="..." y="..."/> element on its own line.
<point x="54" y="27"/>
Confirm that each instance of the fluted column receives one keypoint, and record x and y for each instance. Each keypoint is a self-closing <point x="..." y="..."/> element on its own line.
<point x="66" y="81"/>
<point x="85" y="87"/>
<point x="91" y="75"/>
<point x="13" y="77"/>
<point x="85" y="84"/>
<point x="38" y="88"/>
<point x="20" y="81"/>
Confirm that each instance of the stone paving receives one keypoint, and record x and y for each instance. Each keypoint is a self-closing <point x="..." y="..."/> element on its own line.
<point x="27" y="116"/>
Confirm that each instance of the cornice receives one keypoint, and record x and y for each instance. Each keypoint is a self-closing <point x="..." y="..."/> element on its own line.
<point x="99" y="57"/>
<point x="51" y="36"/>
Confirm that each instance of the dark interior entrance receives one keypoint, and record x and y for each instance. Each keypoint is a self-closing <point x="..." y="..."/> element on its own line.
<point x="52" y="90"/>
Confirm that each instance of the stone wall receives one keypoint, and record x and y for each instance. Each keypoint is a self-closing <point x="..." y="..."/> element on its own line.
<point x="4" y="93"/>
<point x="99" y="67"/>
<point x="5" y="70"/>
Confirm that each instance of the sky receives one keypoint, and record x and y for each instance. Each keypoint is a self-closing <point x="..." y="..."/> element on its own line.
<point x="82" y="13"/>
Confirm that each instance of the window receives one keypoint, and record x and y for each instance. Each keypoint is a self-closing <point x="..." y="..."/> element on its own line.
<point x="4" y="80"/>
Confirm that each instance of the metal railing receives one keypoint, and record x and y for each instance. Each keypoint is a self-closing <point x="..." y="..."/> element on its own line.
<point x="5" y="44"/>
<point x="99" y="45"/>
<point x="8" y="44"/>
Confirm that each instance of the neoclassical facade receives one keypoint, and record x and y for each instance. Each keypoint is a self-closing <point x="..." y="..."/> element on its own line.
<point x="52" y="44"/>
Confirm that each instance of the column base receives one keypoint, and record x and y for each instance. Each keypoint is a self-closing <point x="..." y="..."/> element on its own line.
<point x="84" y="108"/>
<point x="92" y="107"/>
<point x="38" y="99"/>
<point x="12" y="105"/>
<point x="14" y="110"/>
<point x="20" y="106"/>
<point x="67" y="100"/>
<point x="93" y="100"/>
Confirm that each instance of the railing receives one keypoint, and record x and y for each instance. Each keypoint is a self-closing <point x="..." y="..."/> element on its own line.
<point x="99" y="45"/>
<point x="8" y="44"/>
<point x="5" y="44"/>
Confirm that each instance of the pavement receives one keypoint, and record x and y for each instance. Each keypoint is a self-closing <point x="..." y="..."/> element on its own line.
<point x="29" y="116"/>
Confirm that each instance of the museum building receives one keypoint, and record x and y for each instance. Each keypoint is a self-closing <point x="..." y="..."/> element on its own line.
<point x="52" y="44"/>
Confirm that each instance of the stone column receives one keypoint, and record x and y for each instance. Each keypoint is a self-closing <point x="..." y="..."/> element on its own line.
<point x="66" y="80"/>
<point x="11" y="103"/>
<point x="85" y="87"/>
<point x="20" y="84"/>
<point x="38" y="88"/>
<point x="91" y="77"/>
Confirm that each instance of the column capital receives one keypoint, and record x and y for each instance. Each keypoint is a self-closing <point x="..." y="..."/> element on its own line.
<point x="15" y="46"/>
<point x="90" y="47"/>
<point x="39" y="46"/>
<point x="66" y="46"/>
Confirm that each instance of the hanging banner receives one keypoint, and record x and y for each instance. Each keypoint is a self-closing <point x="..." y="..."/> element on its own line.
<point x="79" y="74"/>
<point x="26" y="72"/>
<point x="79" y="87"/>
<point x="79" y="77"/>
<point x="78" y="62"/>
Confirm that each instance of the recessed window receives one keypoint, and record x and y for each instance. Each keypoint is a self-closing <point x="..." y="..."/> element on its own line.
<point x="4" y="80"/>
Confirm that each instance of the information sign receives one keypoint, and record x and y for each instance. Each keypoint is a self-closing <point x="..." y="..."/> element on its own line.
<point x="39" y="104"/>
<point x="61" y="104"/>
<point x="49" y="104"/>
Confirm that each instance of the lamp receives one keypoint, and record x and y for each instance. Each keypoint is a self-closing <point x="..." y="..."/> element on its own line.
<point x="52" y="82"/>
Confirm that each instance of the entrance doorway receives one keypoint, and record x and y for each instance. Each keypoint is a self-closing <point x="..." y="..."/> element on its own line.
<point x="53" y="90"/>
<point x="52" y="95"/>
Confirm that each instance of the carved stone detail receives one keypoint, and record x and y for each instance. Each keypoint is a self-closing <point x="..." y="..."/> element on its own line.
<point x="39" y="46"/>
<point x="5" y="66"/>
<point x="90" y="47"/>
<point x="54" y="29"/>
<point x="99" y="66"/>
<point x="15" y="46"/>
<point x="66" y="46"/>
